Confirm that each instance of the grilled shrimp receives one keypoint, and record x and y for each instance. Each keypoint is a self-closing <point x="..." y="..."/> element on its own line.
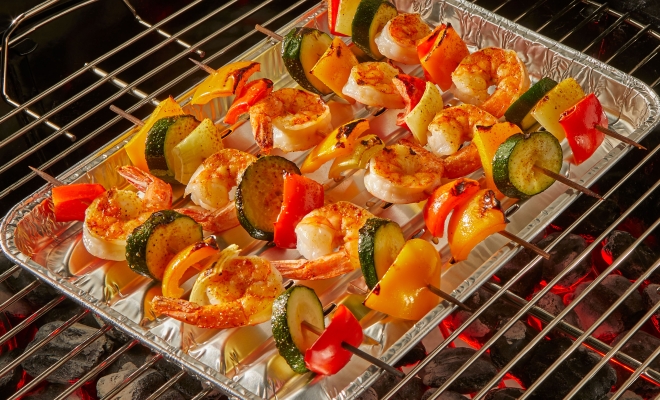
<point x="319" y="233"/>
<point x="371" y="83"/>
<point x="487" y="67"/>
<point x="111" y="217"/>
<point x="398" y="39"/>
<point x="290" y="120"/>
<point x="453" y="126"/>
<point x="403" y="173"/>
<point x="235" y="291"/>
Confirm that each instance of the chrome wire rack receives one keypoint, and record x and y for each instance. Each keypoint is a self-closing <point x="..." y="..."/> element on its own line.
<point x="591" y="27"/>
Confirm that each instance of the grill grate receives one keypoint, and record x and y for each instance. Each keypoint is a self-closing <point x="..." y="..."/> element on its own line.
<point x="563" y="25"/>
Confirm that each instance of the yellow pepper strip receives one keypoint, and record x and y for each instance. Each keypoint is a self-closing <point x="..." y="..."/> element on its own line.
<point x="225" y="81"/>
<point x="334" y="67"/>
<point x="473" y="221"/>
<point x="488" y="139"/>
<point x="364" y="150"/>
<point x="136" y="146"/>
<point x="188" y="258"/>
<point x="403" y="292"/>
<point x="337" y="144"/>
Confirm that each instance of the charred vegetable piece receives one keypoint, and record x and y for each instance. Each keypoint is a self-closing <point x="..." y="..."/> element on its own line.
<point x="379" y="244"/>
<point x="444" y="200"/>
<point x="579" y="123"/>
<point x="300" y="196"/>
<point x="370" y="18"/>
<point x="189" y="154"/>
<point x="334" y="67"/>
<point x="423" y="101"/>
<point x="224" y="82"/>
<point x="488" y="139"/>
<point x="195" y="257"/>
<point x="367" y="147"/>
<point x="251" y="93"/>
<point x="440" y="53"/>
<point x="301" y="50"/>
<point x="562" y="97"/>
<point x="520" y="112"/>
<point x="339" y="143"/>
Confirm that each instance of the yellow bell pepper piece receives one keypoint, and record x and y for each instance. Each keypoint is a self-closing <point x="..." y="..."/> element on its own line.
<point x="225" y="81"/>
<point x="188" y="258"/>
<point x="334" y="67"/>
<point x="403" y="292"/>
<point x="473" y="221"/>
<point x="547" y="111"/>
<point x="136" y="146"/>
<point x="488" y="139"/>
<point x="364" y="150"/>
<point x="339" y="143"/>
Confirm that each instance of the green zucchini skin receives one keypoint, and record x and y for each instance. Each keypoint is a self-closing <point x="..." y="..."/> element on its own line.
<point x="285" y="312"/>
<point x="513" y="171"/>
<point x="293" y="53"/>
<point x="370" y="18"/>
<point x="138" y="242"/>
<point x="520" y="111"/>
<point x="259" y="195"/>
<point x="163" y="136"/>
<point x="376" y="236"/>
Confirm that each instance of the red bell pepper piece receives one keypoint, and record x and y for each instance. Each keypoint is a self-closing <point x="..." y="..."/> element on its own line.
<point x="580" y="123"/>
<point x="250" y="93"/>
<point x="333" y="11"/>
<point x="71" y="201"/>
<point x="443" y="200"/>
<point x="411" y="89"/>
<point x="326" y="356"/>
<point x="301" y="195"/>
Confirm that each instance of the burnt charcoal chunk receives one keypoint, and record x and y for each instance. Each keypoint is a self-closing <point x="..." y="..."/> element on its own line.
<point x="51" y="391"/>
<point x="39" y="296"/>
<point x="413" y="389"/>
<point x="488" y="322"/>
<point x="595" y="223"/>
<point x="637" y="263"/>
<point x="141" y="388"/>
<point x="526" y="283"/>
<point x="561" y="256"/>
<point x="599" y="299"/>
<point x="415" y="355"/>
<point x="640" y="346"/>
<point x="369" y="394"/>
<point x="510" y="344"/>
<point x="137" y="355"/>
<point x="443" y="366"/>
<point x="447" y="395"/>
<point x="554" y="305"/>
<point x="62" y="345"/>
<point x="504" y="394"/>
<point x="568" y="374"/>
<point x="651" y="297"/>
<point x="64" y="311"/>
<point x="9" y="382"/>
<point x="188" y="386"/>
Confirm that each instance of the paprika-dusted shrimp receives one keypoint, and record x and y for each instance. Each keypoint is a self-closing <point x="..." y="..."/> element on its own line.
<point x="453" y="126"/>
<point x="235" y="291"/>
<point x="403" y="173"/>
<point x="371" y="83"/>
<point x="290" y="120"/>
<point x="398" y="39"/>
<point x="112" y="216"/>
<point x="319" y="234"/>
<point x="487" y="67"/>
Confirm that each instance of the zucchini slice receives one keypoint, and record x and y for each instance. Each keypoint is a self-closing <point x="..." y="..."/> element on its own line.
<point x="520" y="112"/>
<point x="301" y="50"/>
<point x="194" y="148"/>
<point x="370" y="18"/>
<point x="379" y="243"/>
<point x="259" y="195"/>
<point x="154" y="243"/>
<point x="162" y="138"/>
<point x="290" y="309"/>
<point x="514" y="160"/>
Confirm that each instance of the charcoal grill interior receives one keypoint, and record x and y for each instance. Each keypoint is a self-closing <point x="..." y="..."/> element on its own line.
<point x="68" y="71"/>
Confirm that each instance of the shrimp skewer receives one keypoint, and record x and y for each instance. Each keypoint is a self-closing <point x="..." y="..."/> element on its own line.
<point x="235" y="291"/>
<point x="321" y="232"/>
<point x="371" y="83"/>
<point x="403" y="173"/>
<point x="398" y="39"/>
<point x="487" y="67"/>
<point x="290" y="120"/>
<point x="112" y="216"/>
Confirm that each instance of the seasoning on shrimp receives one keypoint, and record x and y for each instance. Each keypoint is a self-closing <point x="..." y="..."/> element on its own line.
<point x="290" y="120"/>
<point x="398" y="39"/>
<point x="488" y="67"/>
<point x="403" y="173"/>
<point x="371" y="83"/>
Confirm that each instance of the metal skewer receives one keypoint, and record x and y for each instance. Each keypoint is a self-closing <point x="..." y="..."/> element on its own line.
<point x="620" y="137"/>
<point x="363" y="355"/>
<point x="567" y="182"/>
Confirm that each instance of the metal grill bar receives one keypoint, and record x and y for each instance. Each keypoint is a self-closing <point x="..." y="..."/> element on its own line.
<point x="559" y="14"/>
<point x="167" y="385"/>
<point x="133" y="376"/>
<point x="16" y="297"/>
<point x="607" y="31"/>
<point x="584" y="22"/>
<point x="635" y="375"/>
<point x="29" y="320"/>
<point x="628" y="43"/>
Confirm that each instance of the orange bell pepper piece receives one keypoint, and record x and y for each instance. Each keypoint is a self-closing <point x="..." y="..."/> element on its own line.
<point x="445" y="199"/>
<point x="225" y="81"/>
<point x="403" y="292"/>
<point x="473" y="221"/>
<point x="179" y="267"/>
<point x="338" y="143"/>
<point x="251" y="93"/>
<point x="488" y="139"/>
<point x="440" y="53"/>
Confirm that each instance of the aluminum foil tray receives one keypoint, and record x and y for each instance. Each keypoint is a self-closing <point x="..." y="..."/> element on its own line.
<point x="244" y="361"/>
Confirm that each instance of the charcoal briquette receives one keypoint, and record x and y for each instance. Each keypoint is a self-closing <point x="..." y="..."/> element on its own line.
<point x="369" y="394"/>
<point x="595" y="223"/>
<point x="413" y="389"/>
<point x="416" y="354"/>
<point x="446" y="395"/>
<point x="525" y="285"/>
<point x="637" y="263"/>
<point x="449" y="360"/>
<point x="561" y="256"/>
<point x="61" y="346"/>
<point x="141" y="388"/>
<point x="188" y="386"/>
<point x="640" y="346"/>
<point x="10" y="380"/>
<point x="507" y="346"/>
<point x="51" y="391"/>
<point x="651" y="297"/>
<point x="627" y="395"/>
<point x="39" y="296"/>
<point x="504" y="394"/>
